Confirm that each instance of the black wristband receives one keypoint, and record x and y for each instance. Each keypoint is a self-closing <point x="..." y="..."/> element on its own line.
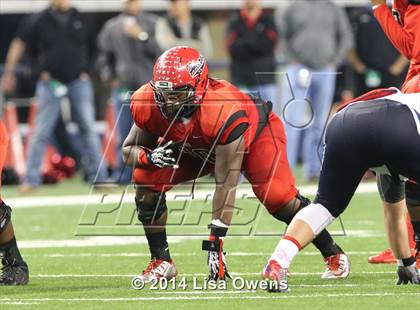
<point x="213" y="246"/>
<point x="408" y="261"/>
<point x="217" y="231"/>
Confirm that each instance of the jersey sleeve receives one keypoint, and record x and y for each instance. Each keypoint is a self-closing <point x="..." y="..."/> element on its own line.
<point x="401" y="39"/>
<point x="140" y="106"/>
<point x="399" y="7"/>
<point x="225" y="123"/>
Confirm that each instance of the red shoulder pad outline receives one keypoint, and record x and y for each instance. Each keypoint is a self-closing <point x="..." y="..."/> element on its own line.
<point x="372" y="95"/>
<point x="233" y="127"/>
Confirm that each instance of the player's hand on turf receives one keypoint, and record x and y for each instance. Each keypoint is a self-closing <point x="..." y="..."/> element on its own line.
<point x="408" y="274"/>
<point x="162" y="156"/>
<point x="217" y="266"/>
<point x="216" y="260"/>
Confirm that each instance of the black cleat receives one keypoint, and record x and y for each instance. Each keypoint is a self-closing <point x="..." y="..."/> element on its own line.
<point x="14" y="272"/>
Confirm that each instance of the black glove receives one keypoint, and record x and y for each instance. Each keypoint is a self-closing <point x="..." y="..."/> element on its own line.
<point x="408" y="274"/>
<point x="162" y="156"/>
<point x="216" y="259"/>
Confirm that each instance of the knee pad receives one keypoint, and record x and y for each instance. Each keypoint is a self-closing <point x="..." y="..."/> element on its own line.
<point x="5" y="216"/>
<point x="286" y="214"/>
<point x="149" y="212"/>
<point x="316" y="216"/>
<point x="412" y="194"/>
<point x="391" y="188"/>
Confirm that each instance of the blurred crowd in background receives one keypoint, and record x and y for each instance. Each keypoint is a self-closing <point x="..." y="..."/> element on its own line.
<point x="74" y="63"/>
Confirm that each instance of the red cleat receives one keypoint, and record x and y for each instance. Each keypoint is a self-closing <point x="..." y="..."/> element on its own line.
<point x="385" y="257"/>
<point x="276" y="277"/>
<point x="336" y="267"/>
<point x="158" y="269"/>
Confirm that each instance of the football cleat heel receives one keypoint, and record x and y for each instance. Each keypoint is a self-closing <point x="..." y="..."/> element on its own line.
<point x="336" y="267"/>
<point x="157" y="269"/>
<point x="276" y="277"/>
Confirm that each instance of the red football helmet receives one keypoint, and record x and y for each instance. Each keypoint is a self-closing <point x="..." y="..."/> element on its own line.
<point x="180" y="79"/>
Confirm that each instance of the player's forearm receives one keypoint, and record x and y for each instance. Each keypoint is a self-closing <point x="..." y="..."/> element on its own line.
<point x="227" y="172"/>
<point x="395" y="226"/>
<point x="130" y="155"/>
<point x="16" y="50"/>
<point x="223" y="204"/>
<point x="135" y="156"/>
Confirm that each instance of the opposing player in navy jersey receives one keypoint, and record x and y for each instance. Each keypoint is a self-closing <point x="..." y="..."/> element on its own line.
<point x="379" y="131"/>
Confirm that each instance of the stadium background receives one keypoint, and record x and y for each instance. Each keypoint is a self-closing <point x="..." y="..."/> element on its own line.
<point x="216" y="13"/>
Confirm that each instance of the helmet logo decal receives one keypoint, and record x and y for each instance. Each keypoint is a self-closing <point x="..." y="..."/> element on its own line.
<point x="195" y="67"/>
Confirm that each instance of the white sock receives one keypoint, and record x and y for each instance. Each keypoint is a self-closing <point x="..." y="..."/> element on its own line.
<point x="285" y="251"/>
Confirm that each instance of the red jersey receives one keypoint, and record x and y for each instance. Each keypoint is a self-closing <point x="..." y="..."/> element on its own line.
<point x="399" y="7"/>
<point x="403" y="31"/>
<point x="224" y="114"/>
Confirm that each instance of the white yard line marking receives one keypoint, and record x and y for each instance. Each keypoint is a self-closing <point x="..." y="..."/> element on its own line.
<point x="105" y="241"/>
<point x="95" y="241"/>
<point x="18" y="303"/>
<point x="194" y="274"/>
<point x="136" y="254"/>
<point x="86" y="242"/>
<point x="82" y="200"/>
<point x="233" y="295"/>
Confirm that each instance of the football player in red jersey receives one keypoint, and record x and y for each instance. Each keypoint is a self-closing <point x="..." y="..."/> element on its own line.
<point x="188" y="125"/>
<point x="15" y="270"/>
<point x="401" y="25"/>
<point x="402" y="28"/>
